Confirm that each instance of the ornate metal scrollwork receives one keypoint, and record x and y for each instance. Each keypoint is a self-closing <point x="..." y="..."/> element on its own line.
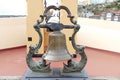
<point x="36" y="66"/>
<point x="72" y="65"/>
<point x="76" y="66"/>
<point x="41" y="66"/>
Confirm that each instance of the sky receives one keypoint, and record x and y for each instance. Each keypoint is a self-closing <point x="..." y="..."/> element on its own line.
<point x="19" y="7"/>
<point x="13" y="7"/>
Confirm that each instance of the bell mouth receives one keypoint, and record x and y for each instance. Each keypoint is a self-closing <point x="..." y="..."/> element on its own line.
<point x="56" y="58"/>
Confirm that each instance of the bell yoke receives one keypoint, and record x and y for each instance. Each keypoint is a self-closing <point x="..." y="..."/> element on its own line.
<point x="57" y="49"/>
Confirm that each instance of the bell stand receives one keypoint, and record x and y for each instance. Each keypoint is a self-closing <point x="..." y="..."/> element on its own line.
<point x="42" y="71"/>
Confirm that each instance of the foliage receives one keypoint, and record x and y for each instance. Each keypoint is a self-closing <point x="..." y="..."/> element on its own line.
<point x="114" y="5"/>
<point x="99" y="8"/>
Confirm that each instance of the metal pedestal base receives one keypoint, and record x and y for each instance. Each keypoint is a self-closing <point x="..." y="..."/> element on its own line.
<point x="55" y="74"/>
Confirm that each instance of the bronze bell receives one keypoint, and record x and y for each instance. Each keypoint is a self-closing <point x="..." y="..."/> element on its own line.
<point x="57" y="50"/>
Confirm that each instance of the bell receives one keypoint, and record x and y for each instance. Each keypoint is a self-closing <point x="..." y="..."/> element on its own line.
<point x="57" y="50"/>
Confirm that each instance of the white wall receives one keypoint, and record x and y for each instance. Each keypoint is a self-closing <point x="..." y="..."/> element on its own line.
<point x="93" y="33"/>
<point x="12" y="32"/>
<point x="99" y="34"/>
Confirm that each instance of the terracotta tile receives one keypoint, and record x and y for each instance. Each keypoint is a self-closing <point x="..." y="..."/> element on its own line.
<point x="100" y="62"/>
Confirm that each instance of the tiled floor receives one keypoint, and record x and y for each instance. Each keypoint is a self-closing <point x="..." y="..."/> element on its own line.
<point x="100" y="63"/>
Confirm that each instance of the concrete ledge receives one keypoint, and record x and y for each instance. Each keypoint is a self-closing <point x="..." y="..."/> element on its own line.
<point x="105" y="78"/>
<point x="10" y="77"/>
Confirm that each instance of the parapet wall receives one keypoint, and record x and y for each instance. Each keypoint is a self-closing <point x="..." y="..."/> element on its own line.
<point x="99" y="34"/>
<point x="12" y="32"/>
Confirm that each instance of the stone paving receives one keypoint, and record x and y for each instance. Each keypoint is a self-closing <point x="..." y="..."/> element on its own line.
<point x="99" y="66"/>
<point x="92" y="78"/>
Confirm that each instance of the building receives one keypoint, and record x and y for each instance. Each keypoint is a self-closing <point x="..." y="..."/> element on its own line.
<point x="84" y="2"/>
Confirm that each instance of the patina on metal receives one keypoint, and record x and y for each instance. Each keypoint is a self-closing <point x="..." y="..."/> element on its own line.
<point x="55" y="34"/>
<point x="57" y="49"/>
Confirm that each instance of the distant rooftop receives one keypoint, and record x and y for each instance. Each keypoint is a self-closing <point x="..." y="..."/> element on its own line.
<point x="84" y="2"/>
<point x="9" y="16"/>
